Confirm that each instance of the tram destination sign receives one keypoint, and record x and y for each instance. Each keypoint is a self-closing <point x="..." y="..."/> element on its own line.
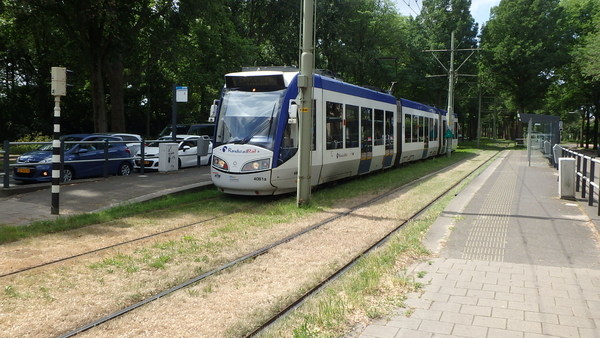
<point x="274" y="81"/>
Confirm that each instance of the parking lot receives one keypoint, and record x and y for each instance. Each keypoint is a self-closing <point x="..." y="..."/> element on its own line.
<point x="23" y="203"/>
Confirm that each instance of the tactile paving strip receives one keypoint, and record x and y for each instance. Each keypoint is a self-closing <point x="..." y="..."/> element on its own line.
<point x="487" y="237"/>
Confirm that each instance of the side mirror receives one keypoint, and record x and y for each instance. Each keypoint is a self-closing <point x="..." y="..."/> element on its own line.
<point x="293" y="112"/>
<point x="213" y="111"/>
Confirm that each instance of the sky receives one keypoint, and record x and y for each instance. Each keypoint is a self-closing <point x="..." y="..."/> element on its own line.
<point x="480" y="9"/>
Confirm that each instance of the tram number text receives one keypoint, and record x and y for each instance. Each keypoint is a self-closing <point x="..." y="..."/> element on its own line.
<point x="261" y="179"/>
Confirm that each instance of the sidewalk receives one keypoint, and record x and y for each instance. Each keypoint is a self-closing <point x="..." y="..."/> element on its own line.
<point x="93" y="195"/>
<point x="511" y="260"/>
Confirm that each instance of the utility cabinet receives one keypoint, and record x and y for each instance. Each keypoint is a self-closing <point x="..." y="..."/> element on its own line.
<point x="168" y="157"/>
<point x="566" y="178"/>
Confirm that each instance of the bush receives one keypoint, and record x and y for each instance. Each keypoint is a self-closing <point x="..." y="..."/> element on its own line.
<point x="34" y="137"/>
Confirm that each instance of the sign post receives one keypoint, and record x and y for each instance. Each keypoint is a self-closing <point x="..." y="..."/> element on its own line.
<point x="180" y="94"/>
<point x="305" y="84"/>
<point x="58" y="88"/>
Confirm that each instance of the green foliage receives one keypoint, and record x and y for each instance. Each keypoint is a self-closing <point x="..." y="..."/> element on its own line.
<point x="521" y="52"/>
<point x="127" y="54"/>
<point x="34" y="137"/>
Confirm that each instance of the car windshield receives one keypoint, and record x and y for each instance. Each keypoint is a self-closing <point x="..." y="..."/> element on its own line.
<point x="164" y="139"/>
<point x="248" y="117"/>
<point x="181" y="129"/>
<point x="48" y="147"/>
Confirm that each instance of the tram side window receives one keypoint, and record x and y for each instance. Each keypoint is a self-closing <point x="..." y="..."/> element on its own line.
<point x="351" y="126"/>
<point x="389" y="130"/>
<point x="415" y="128"/>
<point x="334" y="127"/>
<point x="314" y="126"/>
<point x="426" y="124"/>
<point x="366" y="127"/>
<point x="378" y="130"/>
<point x="421" y="128"/>
<point x="407" y="128"/>
<point x="434" y="132"/>
<point x="456" y="130"/>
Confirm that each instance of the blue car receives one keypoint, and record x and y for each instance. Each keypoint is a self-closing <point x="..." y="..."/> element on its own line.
<point x="38" y="166"/>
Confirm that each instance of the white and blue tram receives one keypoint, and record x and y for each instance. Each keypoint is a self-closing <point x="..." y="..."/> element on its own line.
<point x="355" y="131"/>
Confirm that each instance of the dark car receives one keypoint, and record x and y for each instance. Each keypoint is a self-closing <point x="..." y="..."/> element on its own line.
<point x="38" y="166"/>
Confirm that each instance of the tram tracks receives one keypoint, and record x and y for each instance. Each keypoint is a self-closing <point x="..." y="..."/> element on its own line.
<point x="337" y="217"/>
<point x="115" y="245"/>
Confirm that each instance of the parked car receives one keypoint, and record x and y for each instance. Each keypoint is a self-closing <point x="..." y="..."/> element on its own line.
<point x="39" y="161"/>
<point x="134" y="141"/>
<point x="187" y="152"/>
<point x="200" y="129"/>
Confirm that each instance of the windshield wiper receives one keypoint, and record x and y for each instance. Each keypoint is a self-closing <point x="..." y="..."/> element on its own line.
<point x="259" y="129"/>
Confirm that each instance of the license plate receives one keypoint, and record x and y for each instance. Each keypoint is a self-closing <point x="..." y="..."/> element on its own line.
<point x="147" y="163"/>
<point x="24" y="170"/>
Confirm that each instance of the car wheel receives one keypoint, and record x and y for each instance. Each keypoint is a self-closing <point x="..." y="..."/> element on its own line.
<point x="178" y="164"/>
<point x="124" y="169"/>
<point x="68" y="174"/>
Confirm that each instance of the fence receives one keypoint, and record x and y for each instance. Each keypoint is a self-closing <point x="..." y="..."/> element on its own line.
<point x="202" y="146"/>
<point x="586" y="179"/>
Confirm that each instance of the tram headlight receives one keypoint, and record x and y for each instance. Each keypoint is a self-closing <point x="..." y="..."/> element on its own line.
<point x="257" y="165"/>
<point x="220" y="163"/>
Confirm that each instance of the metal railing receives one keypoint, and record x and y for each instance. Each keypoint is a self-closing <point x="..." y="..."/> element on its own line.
<point x="8" y="166"/>
<point x="586" y="179"/>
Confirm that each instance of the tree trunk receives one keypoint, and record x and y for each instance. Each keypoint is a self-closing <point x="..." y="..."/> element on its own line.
<point x="587" y="128"/>
<point x="98" y="104"/>
<point x="114" y="72"/>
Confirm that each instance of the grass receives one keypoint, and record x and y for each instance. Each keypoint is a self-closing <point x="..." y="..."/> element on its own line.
<point x="373" y="287"/>
<point x="283" y="210"/>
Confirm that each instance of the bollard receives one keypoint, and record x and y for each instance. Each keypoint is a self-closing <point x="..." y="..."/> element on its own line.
<point x="566" y="178"/>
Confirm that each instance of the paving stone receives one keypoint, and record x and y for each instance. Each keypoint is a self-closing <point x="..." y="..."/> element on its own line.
<point x="457" y="318"/>
<point x="543" y="292"/>
<point x="498" y="323"/>
<point x="404" y="322"/>
<point x="498" y="333"/>
<point x="461" y="330"/>
<point x="576" y="321"/>
<point x="524" y="326"/>
<point x="435" y="326"/>
<point x="476" y="310"/>
<point x="508" y="313"/>
<point x="560" y="330"/>
<point x="379" y="331"/>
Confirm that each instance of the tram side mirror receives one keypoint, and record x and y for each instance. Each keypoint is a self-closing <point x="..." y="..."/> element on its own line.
<point x="293" y="112"/>
<point x="213" y="111"/>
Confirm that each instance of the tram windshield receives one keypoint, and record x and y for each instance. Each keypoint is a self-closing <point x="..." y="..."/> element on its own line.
<point x="249" y="117"/>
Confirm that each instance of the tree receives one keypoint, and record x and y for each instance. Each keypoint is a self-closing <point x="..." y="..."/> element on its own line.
<point x="439" y="19"/>
<point x="524" y="43"/>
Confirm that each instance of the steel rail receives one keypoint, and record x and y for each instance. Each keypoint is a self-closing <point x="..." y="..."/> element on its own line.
<point x="267" y="248"/>
<point x="317" y="288"/>
<point x="60" y="260"/>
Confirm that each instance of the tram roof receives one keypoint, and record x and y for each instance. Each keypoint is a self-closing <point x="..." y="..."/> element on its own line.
<point x="422" y="107"/>
<point x="350" y="89"/>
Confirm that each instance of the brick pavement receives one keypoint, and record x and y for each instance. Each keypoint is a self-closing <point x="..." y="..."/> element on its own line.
<point x="511" y="259"/>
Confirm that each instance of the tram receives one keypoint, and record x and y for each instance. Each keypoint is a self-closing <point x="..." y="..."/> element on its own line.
<point x="355" y="131"/>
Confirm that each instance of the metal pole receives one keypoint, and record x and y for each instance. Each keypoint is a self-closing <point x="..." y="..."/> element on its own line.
<point x="479" y="119"/>
<point x="54" y="210"/>
<point x="6" y="164"/>
<point x="174" y="114"/>
<point x="451" y="94"/>
<point x="494" y="131"/>
<point x="305" y="83"/>
<point x="529" y="127"/>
